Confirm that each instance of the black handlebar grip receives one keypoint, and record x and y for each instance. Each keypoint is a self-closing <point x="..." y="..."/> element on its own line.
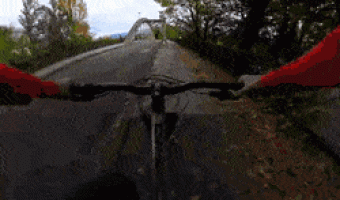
<point x="86" y="89"/>
<point x="238" y="86"/>
<point x="82" y="98"/>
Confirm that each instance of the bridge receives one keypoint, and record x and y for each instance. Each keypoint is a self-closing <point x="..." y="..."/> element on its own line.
<point x="133" y="31"/>
<point x="131" y="34"/>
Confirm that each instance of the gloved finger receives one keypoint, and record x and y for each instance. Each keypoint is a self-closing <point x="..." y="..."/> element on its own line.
<point x="9" y="97"/>
<point x="249" y="80"/>
<point x="15" y="99"/>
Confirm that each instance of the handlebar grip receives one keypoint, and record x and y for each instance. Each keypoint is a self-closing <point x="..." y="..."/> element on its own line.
<point x="81" y="88"/>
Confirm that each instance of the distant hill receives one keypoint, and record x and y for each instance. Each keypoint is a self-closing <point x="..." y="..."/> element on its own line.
<point x="146" y="31"/>
<point x="117" y="35"/>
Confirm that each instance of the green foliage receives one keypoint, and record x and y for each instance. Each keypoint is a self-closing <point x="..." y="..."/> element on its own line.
<point x="173" y="32"/>
<point x="55" y="51"/>
<point x="158" y="34"/>
<point x="228" y="56"/>
<point x="263" y="57"/>
<point x="76" y="43"/>
<point x="164" y="3"/>
<point x="24" y="41"/>
<point x="217" y="54"/>
<point x="285" y="14"/>
<point x="231" y="42"/>
<point x="7" y="44"/>
<point x="29" y="63"/>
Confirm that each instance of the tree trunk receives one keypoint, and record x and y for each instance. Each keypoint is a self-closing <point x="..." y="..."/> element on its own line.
<point x="253" y="23"/>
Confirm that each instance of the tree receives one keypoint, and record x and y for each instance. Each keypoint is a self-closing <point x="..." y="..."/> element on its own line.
<point x="7" y="43"/>
<point x="29" y="19"/>
<point x="209" y="17"/>
<point x="222" y="22"/>
<point x="217" y="15"/>
<point x="285" y="41"/>
<point x="252" y="23"/>
<point x="191" y="22"/>
<point x="248" y="28"/>
<point x="290" y="42"/>
<point x="78" y="12"/>
<point x="56" y="24"/>
<point x="319" y="20"/>
<point x="42" y="21"/>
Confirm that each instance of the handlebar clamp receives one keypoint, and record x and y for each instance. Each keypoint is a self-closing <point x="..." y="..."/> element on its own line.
<point x="157" y="98"/>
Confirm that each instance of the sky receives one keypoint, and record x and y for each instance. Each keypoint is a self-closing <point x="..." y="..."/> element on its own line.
<point x="105" y="17"/>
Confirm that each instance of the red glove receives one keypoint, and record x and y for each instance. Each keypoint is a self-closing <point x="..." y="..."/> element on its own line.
<point x="320" y="67"/>
<point x="25" y="83"/>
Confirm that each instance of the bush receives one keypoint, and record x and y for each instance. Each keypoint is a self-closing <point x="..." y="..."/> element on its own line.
<point x="226" y="53"/>
<point x="158" y="34"/>
<point x="44" y="56"/>
<point x="228" y="56"/>
<point x="262" y="57"/>
<point x="7" y="44"/>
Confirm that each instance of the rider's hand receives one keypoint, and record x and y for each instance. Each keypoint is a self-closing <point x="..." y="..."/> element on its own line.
<point x="252" y="87"/>
<point x="63" y="95"/>
<point x="9" y="97"/>
<point x="252" y="90"/>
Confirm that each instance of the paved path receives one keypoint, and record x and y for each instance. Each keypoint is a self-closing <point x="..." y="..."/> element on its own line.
<point x="53" y="178"/>
<point x="199" y="176"/>
<point x="41" y="140"/>
<point x="46" y="134"/>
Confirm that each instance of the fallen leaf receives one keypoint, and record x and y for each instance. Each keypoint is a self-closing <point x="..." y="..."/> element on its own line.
<point x="195" y="197"/>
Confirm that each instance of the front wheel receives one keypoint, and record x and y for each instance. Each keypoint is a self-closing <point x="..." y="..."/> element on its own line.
<point x="163" y="146"/>
<point x="156" y="160"/>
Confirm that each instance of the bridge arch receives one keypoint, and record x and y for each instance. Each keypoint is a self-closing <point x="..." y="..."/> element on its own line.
<point x="133" y="31"/>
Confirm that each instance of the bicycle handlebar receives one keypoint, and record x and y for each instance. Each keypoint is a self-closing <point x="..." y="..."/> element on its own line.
<point x="90" y="91"/>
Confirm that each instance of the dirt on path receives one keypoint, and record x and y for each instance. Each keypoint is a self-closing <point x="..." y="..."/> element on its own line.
<point x="264" y="130"/>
